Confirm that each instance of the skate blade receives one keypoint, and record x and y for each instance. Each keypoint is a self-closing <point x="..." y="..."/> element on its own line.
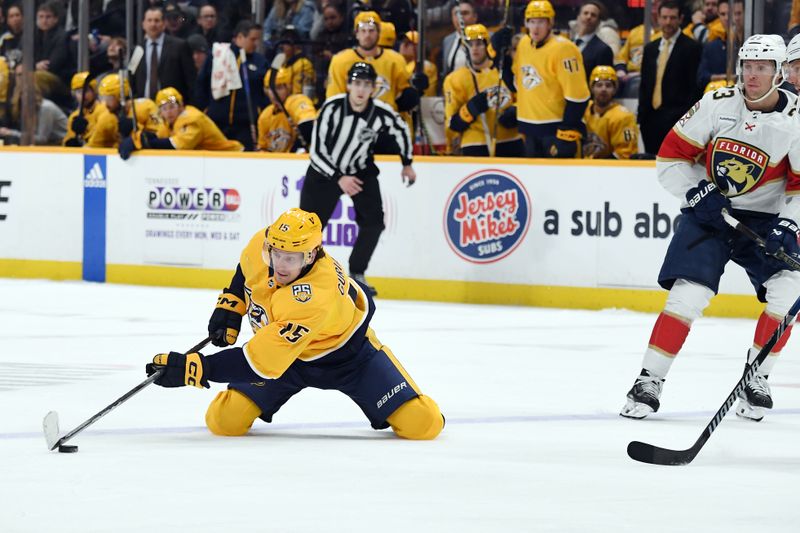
<point x="748" y="412"/>
<point x="636" y="410"/>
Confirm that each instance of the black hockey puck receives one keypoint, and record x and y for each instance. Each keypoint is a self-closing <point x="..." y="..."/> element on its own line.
<point x="66" y="448"/>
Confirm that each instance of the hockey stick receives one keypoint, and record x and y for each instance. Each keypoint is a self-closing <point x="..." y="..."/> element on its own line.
<point x="253" y="134"/>
<point x="499" y="87"/>
<point x="50" y="423"/>
<point x="462" y="36"/>
<point x="655" y="455"/>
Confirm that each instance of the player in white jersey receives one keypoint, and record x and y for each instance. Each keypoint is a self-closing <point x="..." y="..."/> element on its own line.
<point x="793" y="61"/>
<point x="735" y="149"/>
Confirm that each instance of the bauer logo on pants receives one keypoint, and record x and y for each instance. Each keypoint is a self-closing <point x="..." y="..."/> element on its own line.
<point x="487" y="216"/>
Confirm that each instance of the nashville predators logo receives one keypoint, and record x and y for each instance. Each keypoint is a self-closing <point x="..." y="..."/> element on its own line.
<point x="278" y="140"/>
<point x="530" y="77"/>
<point x="593" y="146"/>
<point x="301" y="292"/>
<point x="495" y="93"/>
<point x="382" y="87"/>
<point x="256" y="314"/>
<point x="737" y="166"/>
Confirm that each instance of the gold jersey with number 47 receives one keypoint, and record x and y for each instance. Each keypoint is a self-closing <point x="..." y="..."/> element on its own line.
<point x="546" y="77"/>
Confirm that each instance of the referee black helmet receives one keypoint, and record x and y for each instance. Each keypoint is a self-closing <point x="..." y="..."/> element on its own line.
<point x="362" y="71"/>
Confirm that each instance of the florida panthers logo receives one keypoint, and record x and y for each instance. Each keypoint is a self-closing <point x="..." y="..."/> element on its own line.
<point x="530" y="77"/>
<point x="737" y="167"/>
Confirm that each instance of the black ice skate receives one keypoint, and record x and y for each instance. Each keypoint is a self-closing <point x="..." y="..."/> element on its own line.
<point x="643" y="398"/>
<point x="755" y="397"/>
<point x="363" y="281"/>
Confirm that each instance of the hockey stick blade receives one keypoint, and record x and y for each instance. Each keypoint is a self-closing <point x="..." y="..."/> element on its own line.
<point x="50" y="427"/>
<point x="655" y="455"/>
<point x="136" y="58"/>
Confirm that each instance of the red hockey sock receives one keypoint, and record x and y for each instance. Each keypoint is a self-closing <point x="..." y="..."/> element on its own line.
<point x="765" y="328"/>
<point x="668" y="335"/>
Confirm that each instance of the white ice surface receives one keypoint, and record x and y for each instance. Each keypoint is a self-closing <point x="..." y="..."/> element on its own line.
<point x="533" y="440"/>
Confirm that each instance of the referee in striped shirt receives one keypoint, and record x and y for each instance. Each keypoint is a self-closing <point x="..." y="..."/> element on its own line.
<point x="345" y="132"/>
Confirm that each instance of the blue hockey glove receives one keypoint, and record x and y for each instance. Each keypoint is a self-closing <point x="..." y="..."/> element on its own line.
<point x="707" y="202"/>
<point x="783" y="237"/>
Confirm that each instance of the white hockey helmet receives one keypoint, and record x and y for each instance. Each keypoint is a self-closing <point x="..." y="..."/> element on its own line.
<point x="793" y="50"/>
<point x="763" y="47"/>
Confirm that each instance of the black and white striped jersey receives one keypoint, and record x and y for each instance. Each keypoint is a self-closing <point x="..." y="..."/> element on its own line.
<point x="343" y="140"/>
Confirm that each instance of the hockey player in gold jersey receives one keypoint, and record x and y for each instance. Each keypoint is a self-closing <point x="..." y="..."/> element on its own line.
<point x="109" y="130"/>
<point x="629" y="58"/>
<point x="611" y="130"/>
<point x="311" y="324"/>
<point x="408" y="49"/>
<point x="80" y="128"/>
<point x="550" y="82"/>
<point x="182" y="128"/>
<point x="393" y="85"/>
<point x="471" y="107"/>
<point x="275" y="131"/>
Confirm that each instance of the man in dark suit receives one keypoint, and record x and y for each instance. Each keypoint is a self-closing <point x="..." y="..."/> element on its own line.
<point x="594" y="51"/>
<point x="167" y="60"/>
<point x="669" y="70"/>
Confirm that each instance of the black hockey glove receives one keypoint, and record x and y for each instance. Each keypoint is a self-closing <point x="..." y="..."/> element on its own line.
<point x="74" y="142"/>
<point x="179" y="370"/>
<point x="420" y="82"/>
<point x="126" y="148"/>
<point x="478" y="104"/>
<point x="565" y="144"/>
<point x="783" y="237"/>
<point x="508" y="118"/>
<point x="226" y="320"/>
<point x="79" y="125"/>
<point x="125" y="126"/>
<point x="501" y="39"/>
<point x="707" y="202"/>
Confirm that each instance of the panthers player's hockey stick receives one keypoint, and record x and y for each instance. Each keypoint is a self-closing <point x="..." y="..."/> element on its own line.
<point x="50" y="422"/>
<point x="647" y="453"/>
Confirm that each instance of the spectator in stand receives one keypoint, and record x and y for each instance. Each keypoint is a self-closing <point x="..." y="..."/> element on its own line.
<point x="333" y="37"/>
<point x="629" y="60"/>
<point x="594" y="51"/>
<point x="303" y="77"/>
<point x="408" y="49"/>
<point x="706" y="25"/>
<point x="199" y="48"/>
<point x="454" y="51"/>
<point x="611" y="131"/>
<point x="669" y="73"/>
<point x="296" y="13"/>
<point x="177" y="23"/>
<point x="388" y="35"/>
<point x="167" y="60"/>
<point x="399" y="12"/>
<point x="80" y="126"/>
<point x="285" y="125"/>
<point x="51" y="122"/>
<point x="51" y="52"/>
<point x="231" y="113"/>
<point x="713" y="62"/>
<point x="115" y="54"/>
<point x="208" y="26"/>
<point x="183" y="127"/>
<point x="11" y="39"/>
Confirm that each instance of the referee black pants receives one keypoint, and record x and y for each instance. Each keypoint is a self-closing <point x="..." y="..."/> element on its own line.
<point x="321" y="194"/>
